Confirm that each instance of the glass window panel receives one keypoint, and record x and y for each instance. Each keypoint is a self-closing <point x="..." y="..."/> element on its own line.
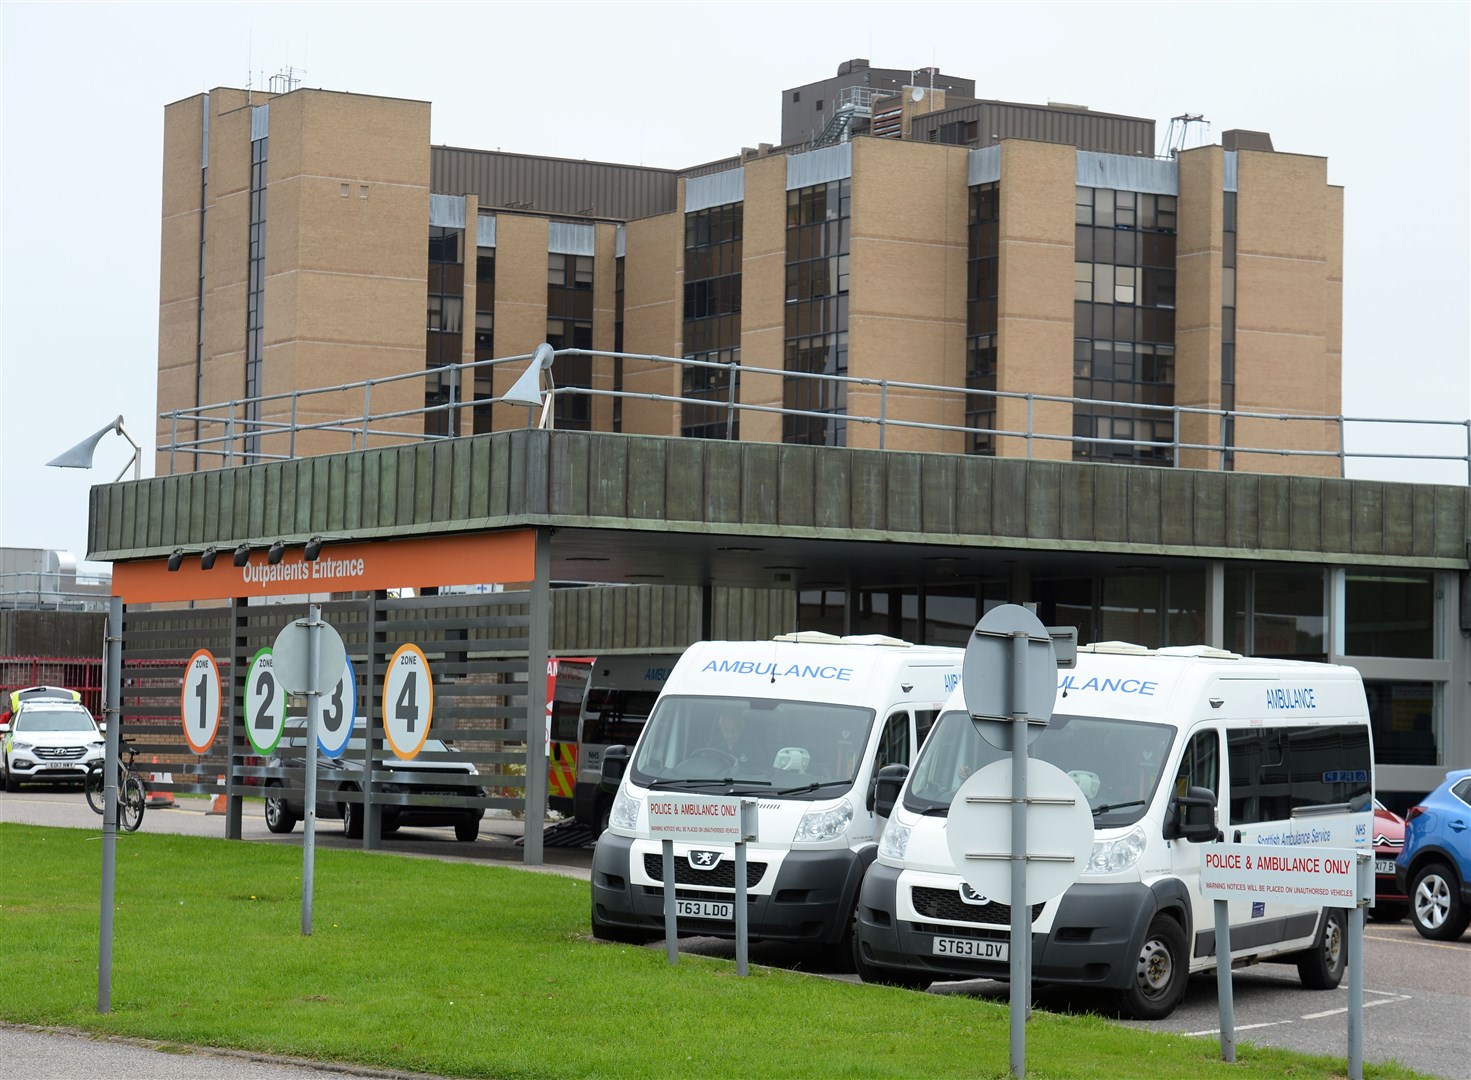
<point x="1288" y="615"/>
<point x="1228" y="287"/>
<point x="1402" y="715"/>
<point x="1102" y="283"/>
<point x="1390" y="613"/>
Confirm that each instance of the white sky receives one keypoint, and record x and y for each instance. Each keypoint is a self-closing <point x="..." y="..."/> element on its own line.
<point x="1380" y="89"/>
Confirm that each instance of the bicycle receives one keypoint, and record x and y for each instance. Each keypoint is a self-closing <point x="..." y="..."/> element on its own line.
<point x="132" y="796"/>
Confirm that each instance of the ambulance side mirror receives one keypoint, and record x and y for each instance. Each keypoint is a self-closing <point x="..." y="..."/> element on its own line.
<point x="883" y="791"/>
<point x="1193" y="817"/>
<point x="615" y="764"/>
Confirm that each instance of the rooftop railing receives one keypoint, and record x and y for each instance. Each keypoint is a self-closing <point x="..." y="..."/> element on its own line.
<point x="233" y="432"/>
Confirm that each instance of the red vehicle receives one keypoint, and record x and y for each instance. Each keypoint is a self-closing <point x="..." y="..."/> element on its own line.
<point x="1390" y="904"/>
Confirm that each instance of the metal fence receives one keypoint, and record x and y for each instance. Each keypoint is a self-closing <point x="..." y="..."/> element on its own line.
<point x="226" y="433"/>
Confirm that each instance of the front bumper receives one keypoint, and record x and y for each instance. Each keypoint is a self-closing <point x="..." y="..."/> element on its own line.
<point x="809" y="902"/>
<point x="1093" y="941"/>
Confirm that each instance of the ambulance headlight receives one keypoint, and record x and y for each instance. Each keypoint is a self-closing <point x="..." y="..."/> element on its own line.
<point x="895" y="841"/>
<point x="1117" y="855"/>
<point x="624" y="814"/>
<point x="819" y="825"/>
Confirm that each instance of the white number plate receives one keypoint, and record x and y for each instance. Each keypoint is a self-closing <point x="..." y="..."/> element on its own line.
<point x="972" y="948"/>
<point x="1383" y="866"/>
<point x="704" y="909"/>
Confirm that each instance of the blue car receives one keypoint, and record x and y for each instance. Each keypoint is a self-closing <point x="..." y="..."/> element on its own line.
<point x="1435" y="862"/>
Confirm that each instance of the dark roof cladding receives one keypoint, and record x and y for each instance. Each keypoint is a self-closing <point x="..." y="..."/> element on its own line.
<point x="556" y="186"/>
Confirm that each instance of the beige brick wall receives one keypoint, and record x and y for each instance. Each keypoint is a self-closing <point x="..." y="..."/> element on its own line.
<point x="1035" y="305"/>
<point x="763" y="295"/>
<point x="1198" y="254"/>
<point x="1288" y="308"/>
<point x="907" y="307"/>
<point x="652" y="312"/>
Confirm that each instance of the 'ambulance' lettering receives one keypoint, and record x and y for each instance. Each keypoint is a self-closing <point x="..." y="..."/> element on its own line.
<point x="1290" y="697"/>
<point x="772" y="669"/>
<point x="1108" y="686"/>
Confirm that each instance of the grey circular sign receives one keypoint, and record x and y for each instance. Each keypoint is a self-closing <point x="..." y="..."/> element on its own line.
<point x="994" y="687"/>
<point x="288" y="655"/>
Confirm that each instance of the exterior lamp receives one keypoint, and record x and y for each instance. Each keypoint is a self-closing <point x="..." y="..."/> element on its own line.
<point x="274" y="552"/>
<point x="242" y="555"/>
<point x="313" y="549"/>
<point x="527" y="389"/>
<point x="207" y="558"/>
<point x="176" y="559"/>
<point x="80" y="456"/>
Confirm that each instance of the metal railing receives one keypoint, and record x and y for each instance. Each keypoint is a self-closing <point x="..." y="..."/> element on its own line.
<point x="223" y="428"/>
<point x="37" y="590"/>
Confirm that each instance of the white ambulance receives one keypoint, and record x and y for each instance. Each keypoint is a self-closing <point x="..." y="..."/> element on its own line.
<point x="803" y="723"/>
<point x="1172" y="748"/>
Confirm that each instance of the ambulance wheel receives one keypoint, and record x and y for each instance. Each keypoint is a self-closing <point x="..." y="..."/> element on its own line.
<point x="1161" y="973"/>
<point x="467" y="830"/>
<point x="881" y="976"/>
<point x="605" y="811"/>
<point x="1321" y="967"/>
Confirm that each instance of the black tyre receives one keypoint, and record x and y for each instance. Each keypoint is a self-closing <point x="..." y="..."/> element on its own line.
<point x="12" y="785"/>
<point x="467" y="830"/>
<point x="390" y="823"/>
<point x="885" y="976"/>
<point x="132" y="801"/>
<point x="352" y="821"/>
<point x="279" y="818"/>
<point x="1389" y="912"/>
<point x="605" y="811"/>
<point x="1322" y="966"/>
<point x="1161" y="973"/>
<point x="1436" y="908"/>
<point x="92" y="784"/>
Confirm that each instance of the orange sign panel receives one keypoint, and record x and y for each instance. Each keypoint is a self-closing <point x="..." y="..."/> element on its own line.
<point x="342" y="567"/>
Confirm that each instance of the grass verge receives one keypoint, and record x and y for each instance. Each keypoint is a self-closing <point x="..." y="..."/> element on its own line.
<point x="485" y="971"/>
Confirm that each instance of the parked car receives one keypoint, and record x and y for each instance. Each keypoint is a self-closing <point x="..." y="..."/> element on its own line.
<point x="1435" y="862"/>
<point x="1390" y="901"/>
<point x="50" y="740"/>
<point x="438" y="770"/>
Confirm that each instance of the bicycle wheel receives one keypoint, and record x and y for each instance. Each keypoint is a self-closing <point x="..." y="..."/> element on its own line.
<point x="94" y="787"/>
<point x="132" y="801"/>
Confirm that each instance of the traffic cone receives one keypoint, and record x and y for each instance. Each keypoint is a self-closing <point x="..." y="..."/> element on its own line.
<point x="156" y="797"/>
<point x="218" y="805"/>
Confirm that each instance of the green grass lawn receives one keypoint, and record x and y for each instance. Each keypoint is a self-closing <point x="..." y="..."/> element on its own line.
<point x="476" y="970"/>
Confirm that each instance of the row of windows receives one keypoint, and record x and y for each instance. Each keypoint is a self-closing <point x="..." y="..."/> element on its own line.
<point x="712" y="297"/>
<point x="1111" y="322"/>
<point x="1125" y="209"/>
<point x="711" y="262"/>
<point x="822" y="316"/>
<point x="1105" y="283"/>
<point x="714" y="225"/>
<point x="982" y="319"/>
<point x="713" y="334"/>
<point x="569" y="271"/>
<point x="832" y="201"/>
<point x="1125" y="248"/>
<point x="817" y="277"/>
<point x="444" y="244"/>
<point x="720" y="386"/>
<point x="1124" y="361"/>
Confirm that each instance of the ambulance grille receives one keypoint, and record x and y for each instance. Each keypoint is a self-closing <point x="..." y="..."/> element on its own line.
<point x="721" y="876"/>
<point x="946" y="904"/>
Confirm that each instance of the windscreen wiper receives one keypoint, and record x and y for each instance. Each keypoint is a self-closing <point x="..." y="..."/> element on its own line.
<point x="812" y="787"/>
<point x="702" y="781"/>
<point x="1106" y="807"/>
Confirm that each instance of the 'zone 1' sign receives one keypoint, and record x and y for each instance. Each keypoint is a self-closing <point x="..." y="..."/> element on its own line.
<point x="199" y="703"/>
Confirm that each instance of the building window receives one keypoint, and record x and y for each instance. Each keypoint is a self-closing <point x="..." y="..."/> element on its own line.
<point x="569" y="326"/>
<point x="1402" y="716"/>
<point x="1389" y="613"/>
<point x="712" y="320"/>
<point x="484" y="337"/>
<point x="818" y="222"/>
<point x="982" y="288"/>
<point x="444" y="337"/>
<point x="1124" y="326"/>
<point x="1276" y="613"/>
<point x="1228" y="329"/>
<point x="255" y="297"/>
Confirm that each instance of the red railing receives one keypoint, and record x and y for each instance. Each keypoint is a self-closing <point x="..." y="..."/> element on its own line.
<point x="75" y="673"/>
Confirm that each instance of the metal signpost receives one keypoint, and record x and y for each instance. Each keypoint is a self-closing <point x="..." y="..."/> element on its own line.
<point x="112" y="710"/>
<point x="697" y="819"/>
<point x="307" y="657"/>
<point x="1009" y="675"/>
<point x="1344" y="876"/>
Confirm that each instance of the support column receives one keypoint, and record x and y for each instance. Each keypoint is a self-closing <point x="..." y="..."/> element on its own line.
<point x="537" y="643"/>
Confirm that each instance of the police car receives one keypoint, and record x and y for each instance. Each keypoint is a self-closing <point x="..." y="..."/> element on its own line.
<point x="51" y="738"/>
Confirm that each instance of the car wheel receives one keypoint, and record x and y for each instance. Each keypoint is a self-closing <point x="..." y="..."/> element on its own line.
<point x="1435" y="903"/>
<point x="1160" y="974"/>
<point x="390" y="823"/>
<point x="12" y="785"/>
<point x="467" y="830"/>
<point x="279" y="818"/>
<point x="352" y="821"/>
<point x="1322" y="966"/>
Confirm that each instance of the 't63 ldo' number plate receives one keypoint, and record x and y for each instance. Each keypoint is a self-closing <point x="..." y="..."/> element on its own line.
<point x="704" y="909"/>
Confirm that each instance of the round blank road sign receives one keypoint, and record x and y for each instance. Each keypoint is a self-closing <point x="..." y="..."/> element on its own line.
<point x="199" y="702"/>
<point x="339" y="713"/>
<point x="988" y="672"/>
<point x="408" y="701"/>
<point x="289" y="657"/>
<point x="265" y="704"/>
<point x="1053" y="830"/>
